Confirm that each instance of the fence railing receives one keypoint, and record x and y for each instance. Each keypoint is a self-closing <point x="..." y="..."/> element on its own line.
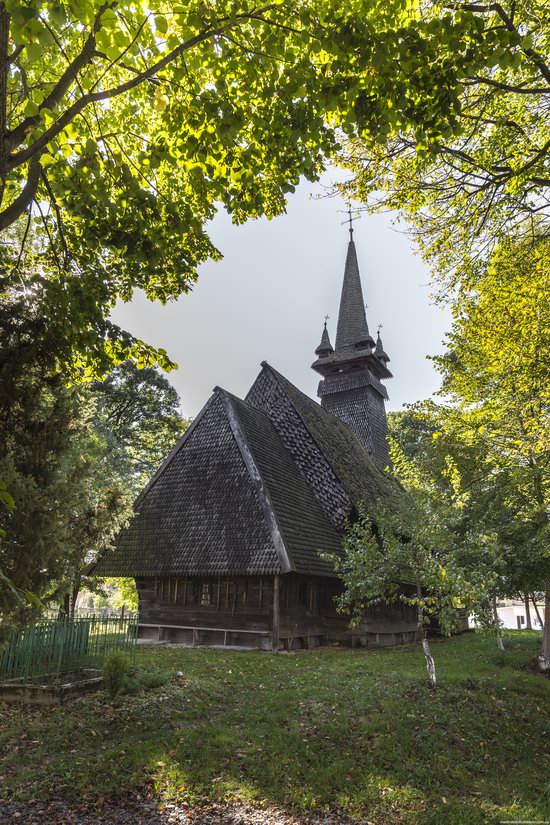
<point x="89" y="612"/>
<point x="52" y="648"/>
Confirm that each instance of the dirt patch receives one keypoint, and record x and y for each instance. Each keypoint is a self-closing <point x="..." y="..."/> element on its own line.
<point x="532" y="666"/>
<point x="143" y="811"/>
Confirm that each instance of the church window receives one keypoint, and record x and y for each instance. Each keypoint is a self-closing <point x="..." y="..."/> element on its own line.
<point x="205" y="594"/>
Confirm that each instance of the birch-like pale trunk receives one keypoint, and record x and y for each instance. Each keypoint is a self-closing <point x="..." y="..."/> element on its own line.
<point x="430" y="663"/>
<point x="544" y="658"/>
<point x="500" y="641"/>
<point x="537" y="611"/>
<point x="528" y="622"/>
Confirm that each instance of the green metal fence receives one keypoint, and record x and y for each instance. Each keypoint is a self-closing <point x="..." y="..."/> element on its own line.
<point x="49" y="649"/>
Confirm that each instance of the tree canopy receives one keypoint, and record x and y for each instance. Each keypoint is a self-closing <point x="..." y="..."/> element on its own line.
<point x="472" y="164"/>
<point x="126" y="125"/>
<point x="72" y="457"/>
<point x="138" y="416"/>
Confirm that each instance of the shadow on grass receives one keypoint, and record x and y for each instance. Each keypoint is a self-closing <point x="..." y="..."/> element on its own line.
<point x="356" y="731"/>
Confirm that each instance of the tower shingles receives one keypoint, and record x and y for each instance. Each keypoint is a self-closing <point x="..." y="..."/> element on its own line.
<point x="352" y="388"/>
<point x="352" y="329"/>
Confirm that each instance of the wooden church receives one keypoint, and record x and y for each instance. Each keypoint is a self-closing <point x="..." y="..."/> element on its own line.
<point x="229" y="539"/>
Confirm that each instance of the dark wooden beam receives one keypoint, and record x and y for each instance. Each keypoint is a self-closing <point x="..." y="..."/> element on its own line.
<point x="276" y="616"/>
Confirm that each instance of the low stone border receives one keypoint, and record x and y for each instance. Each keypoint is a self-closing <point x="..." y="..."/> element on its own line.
<point x="33" y="694"/>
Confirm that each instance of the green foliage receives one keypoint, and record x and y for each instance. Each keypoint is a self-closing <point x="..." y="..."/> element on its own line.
<point x="497" y="378"/>
<point x="138" y="416"/>
<point x="68" y="505"/>
<point x="144" y="680"/>
<point x="130" y="124"/>
<point x="134" y="123"/>
<point x="73" y="457"/>
<point x="116" y="667"/>
<point x="486" y="444"/>
<point x="412" y="553"/>
<point x="458" y="140"/>
<point x="125" y="592"/>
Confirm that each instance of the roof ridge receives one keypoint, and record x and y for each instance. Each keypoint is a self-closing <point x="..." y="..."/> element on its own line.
<point x="266" y="503"/>
<point x="265" y="364"/>
<point x="320" y="409"/>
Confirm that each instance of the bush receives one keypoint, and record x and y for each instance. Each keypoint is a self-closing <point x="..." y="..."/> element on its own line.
<point x="144" y="680"/>
<point x="116" y="666"/>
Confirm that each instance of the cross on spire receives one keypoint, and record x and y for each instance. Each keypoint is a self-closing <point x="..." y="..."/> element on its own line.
<point x="349" y="220"/>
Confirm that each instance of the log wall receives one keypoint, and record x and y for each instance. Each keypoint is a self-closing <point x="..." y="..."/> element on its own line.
<point x="238" y="610"/>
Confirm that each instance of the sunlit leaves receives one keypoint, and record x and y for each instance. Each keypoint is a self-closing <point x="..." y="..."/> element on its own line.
<point x="470" y="158"/>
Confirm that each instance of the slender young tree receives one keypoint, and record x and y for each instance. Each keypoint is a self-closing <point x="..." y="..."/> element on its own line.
<point x="412" y="553"/>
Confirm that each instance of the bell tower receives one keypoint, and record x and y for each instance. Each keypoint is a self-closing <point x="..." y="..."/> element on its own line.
<point x="353" y="371"/>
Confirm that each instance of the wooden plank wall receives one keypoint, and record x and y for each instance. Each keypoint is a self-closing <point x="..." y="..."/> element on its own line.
<point x="307" y="607"/>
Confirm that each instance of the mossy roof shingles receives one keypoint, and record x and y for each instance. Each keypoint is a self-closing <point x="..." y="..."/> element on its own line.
<point x="228" y="500"/>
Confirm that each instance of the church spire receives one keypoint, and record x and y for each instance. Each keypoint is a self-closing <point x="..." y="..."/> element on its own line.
<point x="352" y="330"/>
<point x="379" y="348"/>
<point x="325" y="348"/>
<point x="353" y="372"/>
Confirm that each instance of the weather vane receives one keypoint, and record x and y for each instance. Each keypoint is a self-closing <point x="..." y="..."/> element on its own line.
<point x="351" y="217"/>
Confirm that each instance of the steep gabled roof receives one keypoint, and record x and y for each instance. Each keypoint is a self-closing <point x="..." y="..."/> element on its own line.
<point x="228" y="500"/>
<point x="305" y="530"/>
<point x="363" y="480"/>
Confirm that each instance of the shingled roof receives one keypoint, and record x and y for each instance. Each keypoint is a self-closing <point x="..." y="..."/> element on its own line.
<point x="229" y="499"/>
<point x="352" y="329"/>
<point x="254" y="487"/>
<point x="363" y="480"/>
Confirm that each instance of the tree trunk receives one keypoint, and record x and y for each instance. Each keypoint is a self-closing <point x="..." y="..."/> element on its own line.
<point x="500" y="642"/>
<point x="430" y="663"/>
<point x="74" y="594"/>
<point x="65" y="606"/>
<point x="528" y="623"/>
<point x="537" y="611"/>
<point x="4" y="71"/>
<point x="544" y="658"/>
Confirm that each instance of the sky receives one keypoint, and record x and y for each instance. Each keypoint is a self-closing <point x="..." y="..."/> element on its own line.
<point x="267" y="299"/>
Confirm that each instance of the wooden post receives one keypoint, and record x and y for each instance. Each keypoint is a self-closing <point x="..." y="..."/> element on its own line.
<point x="176" y="591"/>
<point x="275" y="629"/>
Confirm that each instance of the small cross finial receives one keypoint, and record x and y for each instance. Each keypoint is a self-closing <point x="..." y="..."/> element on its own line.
<point x="379" y="328"/>
<point x="351" y="217"/>
<point x="326" y="319"/>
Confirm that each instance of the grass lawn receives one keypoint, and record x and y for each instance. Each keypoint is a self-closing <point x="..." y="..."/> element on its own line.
<point x="353" y="730"/>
